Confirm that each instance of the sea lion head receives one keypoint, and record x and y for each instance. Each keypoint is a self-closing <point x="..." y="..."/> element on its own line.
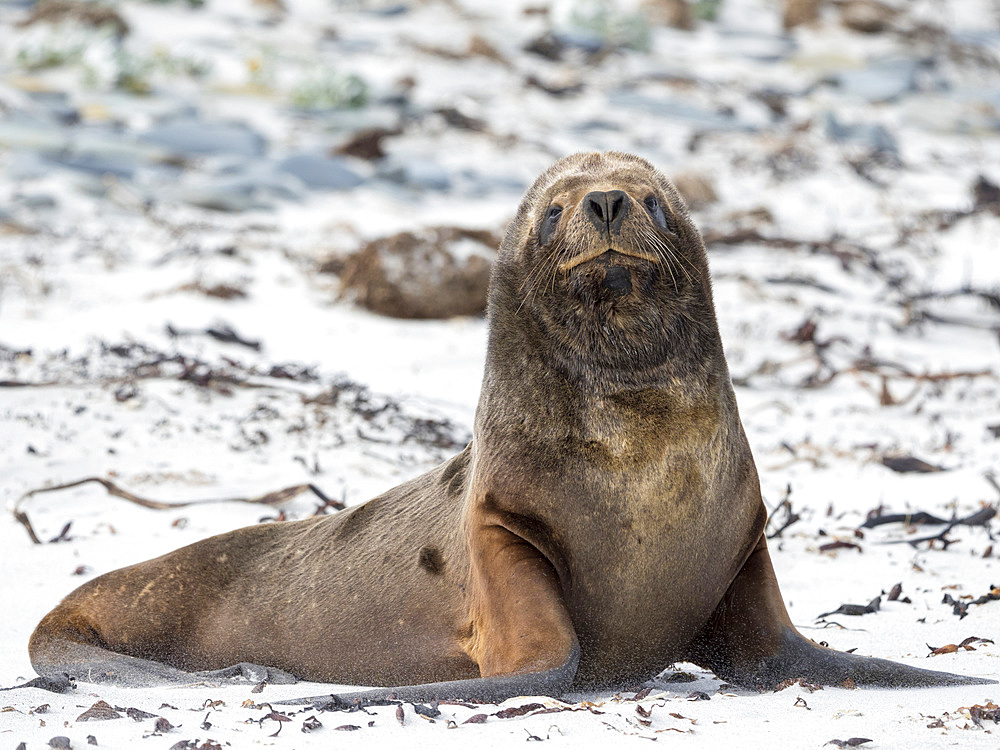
<point x="604" y="264"/>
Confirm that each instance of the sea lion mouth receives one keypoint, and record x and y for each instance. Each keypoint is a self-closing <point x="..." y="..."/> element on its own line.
<point x="617" y="280"/>
<point x="608" y="277"/>
<point x="590" y="255"/>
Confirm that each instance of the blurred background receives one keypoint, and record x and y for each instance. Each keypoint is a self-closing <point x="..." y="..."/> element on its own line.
<point x="244" y="223"/>
<point x="244" y="245"/>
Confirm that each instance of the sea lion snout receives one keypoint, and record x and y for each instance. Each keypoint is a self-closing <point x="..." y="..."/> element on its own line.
<point x="606" y="209"/>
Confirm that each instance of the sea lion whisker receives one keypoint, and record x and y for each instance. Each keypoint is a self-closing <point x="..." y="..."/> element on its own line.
<point x="666" y="249"/>
<point x="681" y="257"/>
<point x="672" y="255"/>
<point x="663" y="253"/>
<point x="534" y="272"/>
<point x="525" y="294"/>
<point x="539" y="270"/>
<point x="532" y="291"/>
<point x="555" y="267"/>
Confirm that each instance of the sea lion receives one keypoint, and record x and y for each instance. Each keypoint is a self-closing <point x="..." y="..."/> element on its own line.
<point x="604" y="522"/>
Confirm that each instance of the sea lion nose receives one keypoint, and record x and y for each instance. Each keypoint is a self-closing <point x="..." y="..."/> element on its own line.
<point x="606" y="209"/>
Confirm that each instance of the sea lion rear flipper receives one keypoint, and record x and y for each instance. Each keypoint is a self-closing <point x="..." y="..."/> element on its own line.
<point x="57" y="651"/>
<point x="750" y="641"/>
<point x="482" y="689"/>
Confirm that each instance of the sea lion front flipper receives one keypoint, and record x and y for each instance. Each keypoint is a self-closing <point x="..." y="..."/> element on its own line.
<point x="750" y="641"/>
<point x="519" y="622"/>
<point x="520" y="634"/>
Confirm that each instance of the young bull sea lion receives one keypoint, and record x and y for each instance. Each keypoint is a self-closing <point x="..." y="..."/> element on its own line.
<point x="604" y="522"/>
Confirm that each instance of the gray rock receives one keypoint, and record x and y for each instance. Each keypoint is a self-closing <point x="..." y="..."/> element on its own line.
<point x="94" y="150"/>
<point x="269" y="180"/>
<point x="471" y="182"/>
<point x="962" y="112"/>
<point x="139" y="111"/>
<point x="25" y="165"/>
<point x="195" y="137"/>
<point x="419" y="174"/>
<point x="88" y="183"/>
<point x="320" y="171"/>
<point x="874" y="136"/>
<point x="594" y="124"/>
<point x="671" y="109"/>
<point x="225" y="194"/>
<point x="149" y="179"/>
<point x="977" y="96"/>
<point x="503" y="181"/>
<point x="237" y="186"/>
<point x="37" y="201"/>
<point x="57" y="104"/>
<point x="882" y="81"/>
<point x="987" y="39"/>
<point x="111" y="141"/>
<point x="757" y="46"/>
<point x="120" y="165"/>
<point x="19" y="131"/>
<point x="378" y="115"/>
<point x="587" y="41"/>
<point x="389" y="9"/>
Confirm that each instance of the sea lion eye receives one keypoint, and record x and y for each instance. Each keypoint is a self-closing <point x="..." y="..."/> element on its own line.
<point x="549" y="224"/>
<point x="657" y="215"/>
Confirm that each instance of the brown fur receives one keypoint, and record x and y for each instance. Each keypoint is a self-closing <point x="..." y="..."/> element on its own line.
<point x="608" y="508"/>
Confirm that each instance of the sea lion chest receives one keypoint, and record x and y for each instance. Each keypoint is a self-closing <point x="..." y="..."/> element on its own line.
<point x="633" y="498"/>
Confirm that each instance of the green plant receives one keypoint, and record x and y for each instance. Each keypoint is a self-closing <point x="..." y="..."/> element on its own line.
<point x="617" y="27"/>
<point x="706" y="10"/>
<point x="50" y="52"/>
<point x="327" y="89"/>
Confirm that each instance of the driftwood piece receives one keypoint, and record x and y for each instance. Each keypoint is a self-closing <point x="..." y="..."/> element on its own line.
<point x="271" y="498"/>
